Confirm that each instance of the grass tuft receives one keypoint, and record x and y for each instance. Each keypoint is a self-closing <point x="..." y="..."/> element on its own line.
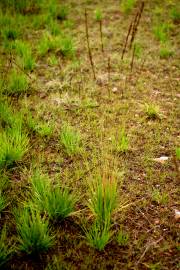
<point x="34" y="235"/>
<point x="6" y="249"/>
<point x="56" y="201"/>
<point x="98" y="236"/>
<point x="122" y="238"/>
<point x="152" y="111"/>
<point x="121" y="143"/>
<point x="71" y="140"/>
<point x="17" y="84"/>
<point x="127" y="6"/>
<point x="14" y="144"/>
<point x="26" y="60"/>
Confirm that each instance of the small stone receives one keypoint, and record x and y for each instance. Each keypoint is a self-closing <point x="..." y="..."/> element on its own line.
<point x="115" y="90"/>
<point x="162" y="159"/>
<point x="177" y="214"/>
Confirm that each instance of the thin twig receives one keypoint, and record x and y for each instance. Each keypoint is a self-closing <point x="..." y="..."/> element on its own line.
<point x="109" y="75"/>
<point x="126" y="41"/>
<point x="136" y="24"/>
<point x="101" y="35"/>
<point x="21" y="69"/>
<point x="133" y="55"/>
<point x="147" y="248"/>
<point x="88" y="45"/>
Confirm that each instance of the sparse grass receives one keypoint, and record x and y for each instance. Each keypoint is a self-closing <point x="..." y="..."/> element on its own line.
<point x="166" y="51"/>
<point x="2" y="202"/>
<point x="34" y="234"/>
<point x="138" y="50"/>
<point x="127" y="6"/>
<point x="8" y="117"/>
<point x="6" y="248"/>
<point x="45" y="45"/>
<point x="59" y="44"/>
<point x="159" y="197"/>
<point x="122" y="238"/>
<point x="62" y="12"/>
<point x="121" y="142"/>
<point x="53" y="60"/>
<point x="71" y="140"/>
<point x="43" y="129"/>
<point x="56" y="201"/>
<point x="175" y="13"/>
<point x="81" y="162"/>
<point x="17" y="84"/>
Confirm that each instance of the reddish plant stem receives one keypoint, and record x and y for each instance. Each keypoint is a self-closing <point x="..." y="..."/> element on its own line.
<point x="88" y="46"/>
<point x="136" y="24"/>
<point x="101" y="35"/>
<point x="126" y="41"/>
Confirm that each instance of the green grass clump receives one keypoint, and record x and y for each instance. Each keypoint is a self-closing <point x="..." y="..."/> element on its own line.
<point x="62" y="12"/>
<point x="56" y="201"/>
<point x="8" y="117"/>
<point x="57" y="11"/>
<point x="121" y="142"/>
<point x="24" y="52"/>
<point x="102" y="203"/>
<point x="161" y="32"/>
<point x="6" y="249"/>
<point x="17" y="84"/>
<point x="138" y="50"/>
<point x="98" y="15"/>
<point x="71" y="140"/>
<point x="43" y="129"/>
<point x="152" y="111"/>
<point x="53" y="27"/>
<point x="127" y="6"/>
<point x="14" y="144"/>
<point x="9" y="33"/>
<point x="23" y="6"/>
<point x="122" y="238"/>
<point x="46" y="45"/>
<point x="175" y="13"/>
<point x="65" y="46"/>
<point x="103" y="195"/>
<point x="166" y="52"/>
<point x="34" y="235"/>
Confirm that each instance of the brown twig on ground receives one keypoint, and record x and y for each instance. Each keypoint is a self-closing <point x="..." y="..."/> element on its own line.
<point x="136" y="23"/>
<point x="109" y="75"/>
<point x="132" y="59"/>
<point x="101" y="36"/>
<point x="147" y="248"/>
<point x="176" y="167"/>
<point x="88" y="46"/>
<point x="126" y="41"/>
